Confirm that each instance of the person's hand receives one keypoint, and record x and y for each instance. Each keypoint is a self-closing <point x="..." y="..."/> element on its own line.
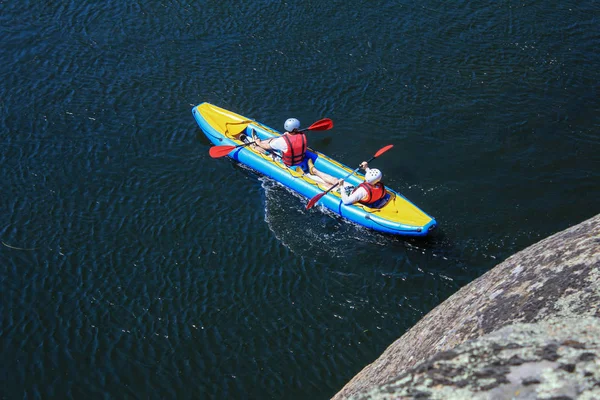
<point x="341" y="183"/>
<point x="364" y="165"/>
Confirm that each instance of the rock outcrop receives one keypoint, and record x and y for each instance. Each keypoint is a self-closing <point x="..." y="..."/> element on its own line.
<point x="548" y="284"/>
<point x="545" y="360"/>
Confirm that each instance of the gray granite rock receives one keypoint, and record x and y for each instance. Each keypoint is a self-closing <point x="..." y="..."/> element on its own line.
<point x="554" y="280"/>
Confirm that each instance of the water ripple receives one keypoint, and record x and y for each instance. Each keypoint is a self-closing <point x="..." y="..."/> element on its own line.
<point x="133" y="264"/>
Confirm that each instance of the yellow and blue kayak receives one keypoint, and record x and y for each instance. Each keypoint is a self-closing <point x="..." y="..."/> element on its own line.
<point x="394" y="214"/>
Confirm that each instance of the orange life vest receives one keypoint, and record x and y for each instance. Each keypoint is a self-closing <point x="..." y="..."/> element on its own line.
<point x="296" y="144"/>
<point x="374" y="192"/>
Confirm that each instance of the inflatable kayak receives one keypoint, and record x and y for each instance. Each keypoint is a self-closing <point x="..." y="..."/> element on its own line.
<point x="394" y="214"/>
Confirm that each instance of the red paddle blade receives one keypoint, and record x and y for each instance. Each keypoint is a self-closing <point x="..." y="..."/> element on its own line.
<point x="314" y="200"/>
<point x="220" y="151"/>
<point x="383" y="150"/>
<point x="321" y="125"/>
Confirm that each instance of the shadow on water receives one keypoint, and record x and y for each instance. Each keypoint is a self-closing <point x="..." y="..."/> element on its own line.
<point x="201" y="137"/>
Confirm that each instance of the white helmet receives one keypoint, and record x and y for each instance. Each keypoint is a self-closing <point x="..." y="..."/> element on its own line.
<point x="373" y="176"/>
<point x="291" y="124"/>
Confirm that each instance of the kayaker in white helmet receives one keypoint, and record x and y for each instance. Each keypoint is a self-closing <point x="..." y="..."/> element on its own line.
<point x="292" y="145"/>
<point x="369" y="191"/>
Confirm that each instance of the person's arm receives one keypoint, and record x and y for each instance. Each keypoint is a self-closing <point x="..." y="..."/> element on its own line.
<point x="354" y="197"/>
<point x="358" y="194"/>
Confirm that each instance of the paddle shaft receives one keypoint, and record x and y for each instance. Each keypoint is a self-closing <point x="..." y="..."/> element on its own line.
<point x="349" y="175"/>
<point x="269" y="140"/>
<point x="223" y="150"/>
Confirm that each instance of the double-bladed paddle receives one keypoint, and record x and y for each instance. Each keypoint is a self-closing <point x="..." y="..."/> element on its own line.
<point x="316" y="198"/>
<point x="220" y="151"/>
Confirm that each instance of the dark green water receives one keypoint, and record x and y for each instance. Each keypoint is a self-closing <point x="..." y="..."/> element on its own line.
<point x="133" y="265"/>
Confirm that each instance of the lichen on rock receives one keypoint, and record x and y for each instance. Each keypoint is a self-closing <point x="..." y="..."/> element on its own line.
<point x="523" y="361"/>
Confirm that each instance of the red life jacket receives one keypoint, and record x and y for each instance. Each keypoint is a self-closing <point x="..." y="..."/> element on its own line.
<point x="296" y="144"/>
<point x="374" y="192"/>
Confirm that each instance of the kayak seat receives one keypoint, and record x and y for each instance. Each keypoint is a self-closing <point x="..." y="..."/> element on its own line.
<point x="381" y="202"/>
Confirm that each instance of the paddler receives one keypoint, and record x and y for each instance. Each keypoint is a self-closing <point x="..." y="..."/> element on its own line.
<point x="292" y="145"/>
<point x="368" y="192"/>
